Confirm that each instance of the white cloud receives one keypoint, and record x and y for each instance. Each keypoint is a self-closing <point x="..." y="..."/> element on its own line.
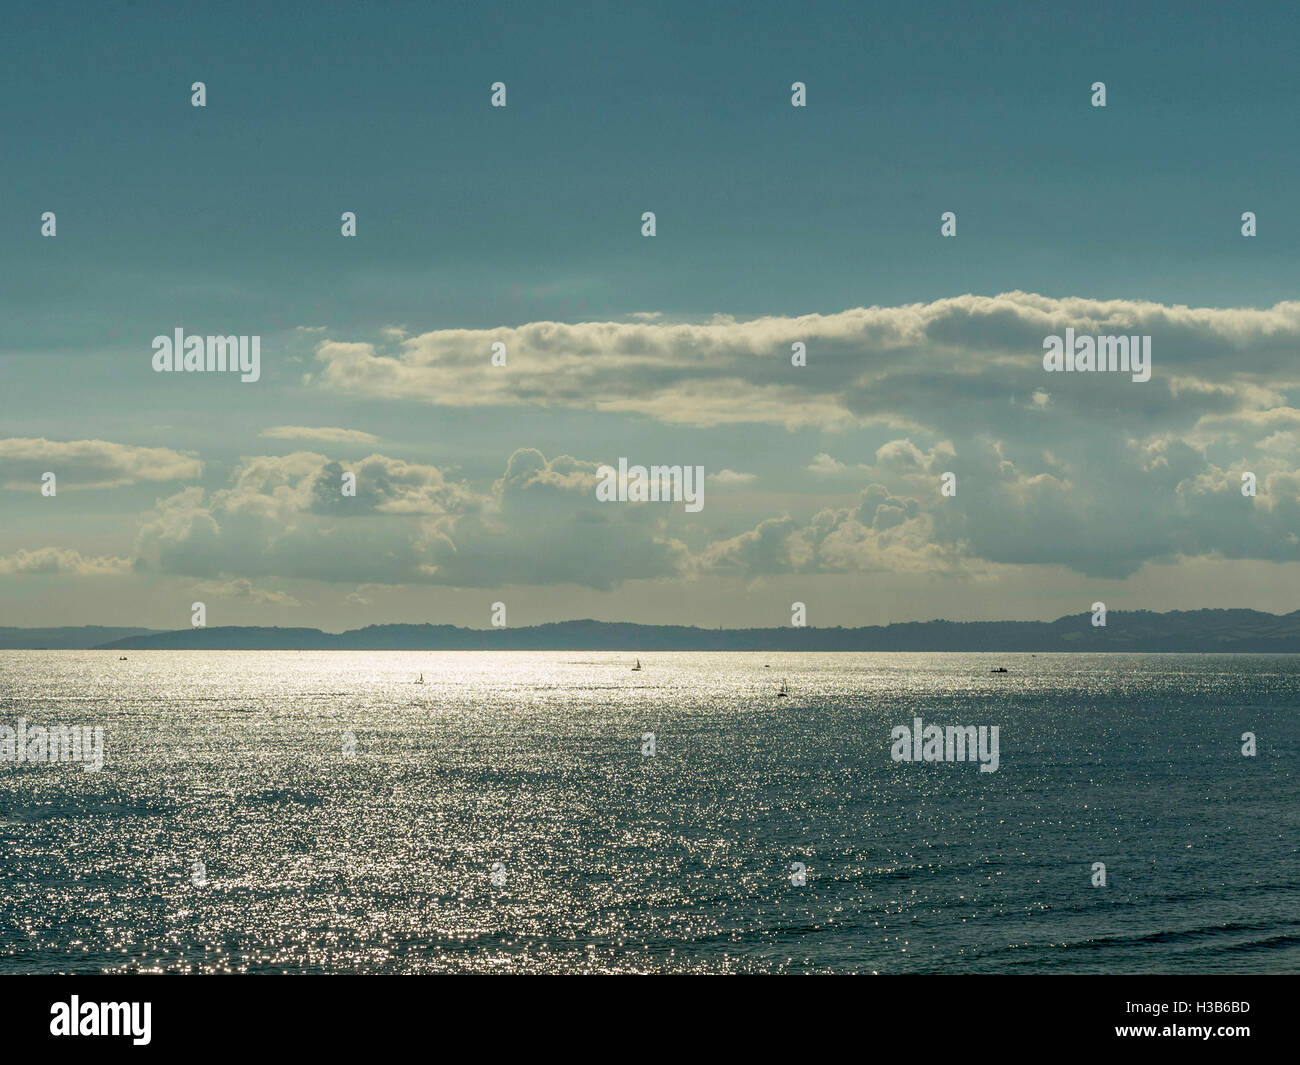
<point x="823" y="465"/>
<point x="957" y="360"/>
<point x="91" y="463"/>
<point x="323" y="434"/>
<point x="52" y="560"/>
<point x="731" y="479"/>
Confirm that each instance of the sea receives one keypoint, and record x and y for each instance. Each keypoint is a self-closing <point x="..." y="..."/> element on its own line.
<point x="560" y="812"/>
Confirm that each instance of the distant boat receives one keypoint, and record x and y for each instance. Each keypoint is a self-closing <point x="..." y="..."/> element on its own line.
<point x="637" y="666"/>
<point x="122" y="659"/>
<point x="1000" y="669"/>
<point x="421" y="680"/>
<point x="784" y="691"/>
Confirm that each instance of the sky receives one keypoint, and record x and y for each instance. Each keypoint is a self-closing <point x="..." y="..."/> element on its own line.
<point x="523" y="225"/>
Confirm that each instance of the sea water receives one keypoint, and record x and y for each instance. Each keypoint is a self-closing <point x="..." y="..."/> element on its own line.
<point x="557" y="812"/>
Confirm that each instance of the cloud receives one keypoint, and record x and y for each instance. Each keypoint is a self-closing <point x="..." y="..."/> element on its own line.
<point x="357" y="597"/>
<point x="321" y="434"/>
<point x="902" y="366"/>
<point x="1093" y="472"/>
<point x="731" y="479"/>
<point x="64" y="561"/>
<point x="1104" y="510"/>
<point x="883" y="533"/>
<point x="92" y="463"/>
<point x="823" y="465"/>
<point x="1090" y="472"/>
<point x="243" y="589"/>
<point x="545" y="526"/>
<point x="306" y="481"/>
<point x="286" y="517"/>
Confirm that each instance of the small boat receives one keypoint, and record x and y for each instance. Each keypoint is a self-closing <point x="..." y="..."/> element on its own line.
<point x="421" y="680"/>
<point x="122" y="659"/>
<point x="784" y="691"/>
<point x="1000" y="669"/>
<point x="637" y="666"/>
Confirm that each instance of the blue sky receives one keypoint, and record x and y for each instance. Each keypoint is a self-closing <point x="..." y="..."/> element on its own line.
<point x="225" y="219"/>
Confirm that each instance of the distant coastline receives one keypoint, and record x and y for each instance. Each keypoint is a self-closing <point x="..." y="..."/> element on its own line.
<point x="1186" y="631"/>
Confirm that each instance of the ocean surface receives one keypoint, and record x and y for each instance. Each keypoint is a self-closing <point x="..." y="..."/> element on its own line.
<point x="502" y="817"/>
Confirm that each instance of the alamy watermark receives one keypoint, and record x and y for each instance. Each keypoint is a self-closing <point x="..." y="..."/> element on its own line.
<point x="58" y="743"/>
<point x="75" y="1017"/>
<point x="657" y="484"/>
<point x="954" y="743"/>
<point x="1082" y="354"/>
<point x="178" y="352"/>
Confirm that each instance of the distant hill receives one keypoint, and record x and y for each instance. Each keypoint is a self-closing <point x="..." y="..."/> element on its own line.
<point x="1138" y="630"/>
<point x="67" y="638"/>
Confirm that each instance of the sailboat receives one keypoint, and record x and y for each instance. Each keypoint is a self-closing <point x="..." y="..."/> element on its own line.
<point x="784" y="691"/>
<point x="421" y="680"/>
<point x="637" y="666"/>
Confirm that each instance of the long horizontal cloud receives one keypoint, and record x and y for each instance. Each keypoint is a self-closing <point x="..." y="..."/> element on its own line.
<point x="66" y="561"/>
<point x="91" y="463"/>
<point x="322" y="434"/>
<point x="976" y="359"/>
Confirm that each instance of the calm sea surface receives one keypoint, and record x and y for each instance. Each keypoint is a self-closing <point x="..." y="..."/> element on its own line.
<point x="383" y="860"/>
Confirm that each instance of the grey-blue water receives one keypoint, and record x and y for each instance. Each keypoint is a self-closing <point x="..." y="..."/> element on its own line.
<point x="502" y="816"/>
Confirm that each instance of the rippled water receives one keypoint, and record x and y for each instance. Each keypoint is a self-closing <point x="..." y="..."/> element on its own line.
<point x="382" y="861"/>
